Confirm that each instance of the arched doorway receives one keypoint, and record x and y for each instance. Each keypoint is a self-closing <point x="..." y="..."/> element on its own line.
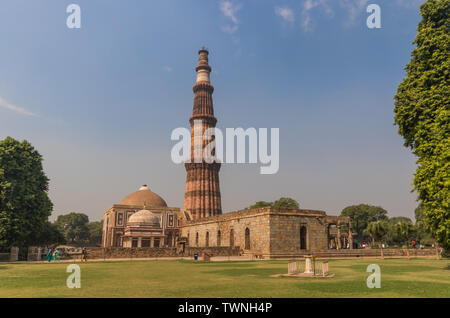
<point x="247" y="238"/>
<point x="303" y="237"/>
<point x="219" y="238"/>
<point x="207" y="239"/>
<point x="231" y="237"/>
<point x="196" y="239"/>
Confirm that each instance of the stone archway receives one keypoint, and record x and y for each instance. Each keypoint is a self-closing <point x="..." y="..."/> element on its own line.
<point x="247" y="238"/>
<point x="303" y="237"/>
<point x="219" y="238"/>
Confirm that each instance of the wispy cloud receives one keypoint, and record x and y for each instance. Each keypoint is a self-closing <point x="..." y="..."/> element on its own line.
<point x="229" y="10"/>
<point x="167" y="68"/>
<point x="354" y="9"/>
<point x="285" y="13"/>
<point x="15" y="108"/>
<point x="308" y="7"/>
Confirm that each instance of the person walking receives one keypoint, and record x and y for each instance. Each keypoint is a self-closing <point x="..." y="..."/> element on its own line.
<point x="84" y="254"/>
<point x="49" y="254"/>
<point x="56" y="255"/>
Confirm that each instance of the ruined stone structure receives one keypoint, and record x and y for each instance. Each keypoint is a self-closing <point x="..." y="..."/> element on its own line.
<point x="269" y="232"/>
<point x="143" y="219"/>
<point x="202" y="195"/>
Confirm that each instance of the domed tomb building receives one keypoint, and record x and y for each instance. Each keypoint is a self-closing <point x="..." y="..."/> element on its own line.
<point x="141" y="219"/>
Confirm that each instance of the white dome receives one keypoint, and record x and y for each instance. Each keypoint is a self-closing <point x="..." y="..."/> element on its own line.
<point x="145" y="216"/>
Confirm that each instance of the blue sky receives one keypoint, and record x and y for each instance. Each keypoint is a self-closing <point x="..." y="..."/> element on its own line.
<point x="100" y="102"/>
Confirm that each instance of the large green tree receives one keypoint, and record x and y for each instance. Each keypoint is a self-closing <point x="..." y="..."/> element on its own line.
<point x="24" y="202"/>
<point x="361" y="215"/>
<point x="74" y="227"/>
<point x="422" y="113"/>
<point x="95" y="232"/>
<point x="377" y="230"/>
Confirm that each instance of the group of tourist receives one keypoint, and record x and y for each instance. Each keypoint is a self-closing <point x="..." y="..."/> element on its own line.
<point x="52" y="254"/>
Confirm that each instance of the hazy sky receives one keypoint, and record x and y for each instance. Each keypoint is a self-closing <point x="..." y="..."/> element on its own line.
<point x="99" y="103"/>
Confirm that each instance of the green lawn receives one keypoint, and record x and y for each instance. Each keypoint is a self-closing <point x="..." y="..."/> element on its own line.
<point x="399" y="278"/>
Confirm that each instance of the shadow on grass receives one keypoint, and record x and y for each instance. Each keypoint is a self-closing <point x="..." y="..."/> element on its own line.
<point x="3" y="267"/>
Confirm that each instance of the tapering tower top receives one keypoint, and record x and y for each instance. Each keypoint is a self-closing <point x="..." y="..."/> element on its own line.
<point x="203" y="69"/>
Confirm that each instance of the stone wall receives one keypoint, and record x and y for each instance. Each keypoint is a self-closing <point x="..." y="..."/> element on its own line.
<point x="256" y="221"/>
<point x="124" y="252"/>
<point x="285" y="234"/>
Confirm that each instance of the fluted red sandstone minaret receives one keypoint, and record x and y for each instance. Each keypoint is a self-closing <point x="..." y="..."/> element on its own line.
<point x="202" y="196"/>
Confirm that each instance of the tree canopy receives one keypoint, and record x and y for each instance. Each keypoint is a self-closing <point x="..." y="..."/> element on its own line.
<point x="363" y="214"/>
<point x="95" y="232"/>
<point x="24" y="202"/>
<point x="74" y="226"/>
<point x="422" y="113"/>
<point x="282" y="202"/>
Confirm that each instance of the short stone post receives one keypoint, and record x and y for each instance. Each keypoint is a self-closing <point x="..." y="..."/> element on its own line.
<point x="324" y="268"/>
<point x="292" y="267"/>
<point x="339" y="243"/>
<point x="308" y="265"/>
<point x="14" y="254"/>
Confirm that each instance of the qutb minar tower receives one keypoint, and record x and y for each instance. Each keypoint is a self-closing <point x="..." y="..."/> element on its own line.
<point x="202" y="196"/>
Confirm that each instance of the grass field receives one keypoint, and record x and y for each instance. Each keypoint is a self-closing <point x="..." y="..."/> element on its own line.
<point x="399" y="278"/>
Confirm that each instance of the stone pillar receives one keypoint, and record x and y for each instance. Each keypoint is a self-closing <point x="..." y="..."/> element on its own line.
<point x="14" y="254"/>
<point x="38" y="254"/>
<point x="350" y="236"/>
<point x="308" y="265"/>
<point x="339" y="244"/>
<point x="152" y="242"/>
<point x="325" y="268"/>
<point x="139" y="241"/>
<point x="292" y="267"/>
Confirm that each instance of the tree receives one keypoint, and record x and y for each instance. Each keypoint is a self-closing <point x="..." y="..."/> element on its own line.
<point x="50" y="235"/>
<point x="377" y="230"/>
<point x="260" y="204"/>
<point x="282" y="202"/>
<point x="24" y="202"/>
<point x="74" y="227"/>
<point x="95" y="232"/>
<point x="361" y="215"/>
<point x="404" y="231"/>
<point x="396" y="219"/>
<point x="286" y="203"/>
<point x="423" y="229"/>
<point x="423" y="117"/>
